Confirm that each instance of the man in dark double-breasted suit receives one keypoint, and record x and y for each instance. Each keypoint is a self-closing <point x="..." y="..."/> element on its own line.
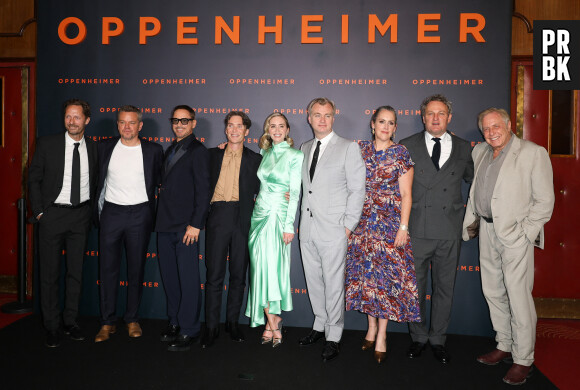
<point x="442" y="162"/>
<point x="181" y="213"/>
<point x="129" y="175"/>
<point x="234" y="186"/>
<point x="62" y="180"/>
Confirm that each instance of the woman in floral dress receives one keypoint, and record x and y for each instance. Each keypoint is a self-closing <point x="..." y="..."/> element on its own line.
<point x="380" y="273"/>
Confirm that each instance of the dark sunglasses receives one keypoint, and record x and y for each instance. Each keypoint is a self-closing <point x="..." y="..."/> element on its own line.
<point x="184" y="121"/>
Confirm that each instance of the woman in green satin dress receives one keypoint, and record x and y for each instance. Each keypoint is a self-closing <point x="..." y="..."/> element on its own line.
<point x="272" y="229"/>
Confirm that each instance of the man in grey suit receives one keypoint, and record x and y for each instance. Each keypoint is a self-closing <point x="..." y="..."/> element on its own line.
<point x="512" y="198"/>
<point x="442" y="162"/>
<point x="333" y="191"/>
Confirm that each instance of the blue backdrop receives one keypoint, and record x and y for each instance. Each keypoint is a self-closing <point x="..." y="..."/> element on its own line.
<point x="219" y="56"/>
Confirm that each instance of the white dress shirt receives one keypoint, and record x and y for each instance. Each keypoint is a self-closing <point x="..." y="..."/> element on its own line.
<point x="446" y="145"/>
<point x="323" y="144"/>
<point x="64" y="196"/>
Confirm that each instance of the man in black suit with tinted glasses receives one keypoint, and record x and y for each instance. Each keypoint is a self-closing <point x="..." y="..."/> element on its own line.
<point x="181" y="213"/>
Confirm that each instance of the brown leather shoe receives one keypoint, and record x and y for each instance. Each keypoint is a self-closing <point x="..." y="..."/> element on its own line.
<point x="380" y="356"/>
<point x="367" y="344"/>
<point x="494" y="357"/>
<point x="518" y="374"/>
<point x="134" y="329"/>
<point x="105" y="332"/>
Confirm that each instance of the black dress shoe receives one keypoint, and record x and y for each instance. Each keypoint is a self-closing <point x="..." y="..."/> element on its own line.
<point x="415" y="350"/>
<point x="52" y="339"/>
<point x="182" y="343"/>
<point x="209" y="336"/>
<point x="170" y="334"/>
<point x="311" y="338"/>
<point x="441" y="353"/>
<point x="235" y="332"/>
<point x="330" y="351"/>
<point x="74" y="332"/>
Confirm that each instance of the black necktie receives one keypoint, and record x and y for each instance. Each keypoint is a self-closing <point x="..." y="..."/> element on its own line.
<point x="436" y="152"/>
<point x="75" y="182"/>
<point x="314" y="160"/>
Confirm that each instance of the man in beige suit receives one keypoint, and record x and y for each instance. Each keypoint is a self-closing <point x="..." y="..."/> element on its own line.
<point x="512" y="196"/>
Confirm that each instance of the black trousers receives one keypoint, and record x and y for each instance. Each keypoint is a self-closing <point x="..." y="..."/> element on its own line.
<point x="59" y="229"/>
<point x="129" y="226"/>
<point x="179" y="266"/>
<point x="224" y="235"/>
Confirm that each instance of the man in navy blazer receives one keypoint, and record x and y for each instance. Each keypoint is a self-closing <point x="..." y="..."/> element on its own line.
<point x="181" y="213"/>
<point x="62" y="220"/>
<point x="130" y="172"/>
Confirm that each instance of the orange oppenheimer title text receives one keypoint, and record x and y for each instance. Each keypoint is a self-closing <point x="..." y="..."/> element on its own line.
<point x="471" y="26"/>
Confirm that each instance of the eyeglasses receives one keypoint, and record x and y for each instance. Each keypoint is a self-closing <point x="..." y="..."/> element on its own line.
<point x="184" y="121"/>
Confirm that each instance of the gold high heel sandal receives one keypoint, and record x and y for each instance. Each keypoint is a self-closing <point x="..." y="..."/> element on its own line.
<point x="275" y="340"/>
<point x="266" y="340"/>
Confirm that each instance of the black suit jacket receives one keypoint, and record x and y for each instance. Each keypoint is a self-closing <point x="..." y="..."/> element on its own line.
<point x="45" y="174"/>
<point x="152" y="160"/>
<point x="184" y="194"/>
<point x="438" y="205"/>
<point x="249" y="184"/>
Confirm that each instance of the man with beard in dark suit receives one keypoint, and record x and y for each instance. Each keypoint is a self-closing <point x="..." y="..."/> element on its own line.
<point x="62" y="181"/>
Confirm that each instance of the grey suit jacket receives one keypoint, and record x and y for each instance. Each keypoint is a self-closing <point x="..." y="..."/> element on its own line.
<point x="334" y="199"/>
<point x="438" y="205"/>
<point x="523" y="196"/>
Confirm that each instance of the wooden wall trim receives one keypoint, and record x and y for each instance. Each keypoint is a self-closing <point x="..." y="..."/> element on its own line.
<point x="558" y="308"/>
<point x="20" y="33"/>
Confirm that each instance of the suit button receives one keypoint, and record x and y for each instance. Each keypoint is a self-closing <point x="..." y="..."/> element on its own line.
<point x="444" y="189"/>
<point x="443" y="207"/>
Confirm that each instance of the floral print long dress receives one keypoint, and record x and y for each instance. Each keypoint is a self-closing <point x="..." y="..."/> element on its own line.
<point x="380" y="278"/>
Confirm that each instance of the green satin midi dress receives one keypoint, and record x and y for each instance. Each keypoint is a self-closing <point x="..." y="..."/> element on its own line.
<point x="279" y="172"/>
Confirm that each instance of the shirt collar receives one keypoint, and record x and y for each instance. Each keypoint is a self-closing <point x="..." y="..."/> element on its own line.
<point x="444" y="138"/>
<point x="506" y="148"/>
<point x="233" y="153"/>
<point x="70" y="141"/>
<point x="324" y="141"/>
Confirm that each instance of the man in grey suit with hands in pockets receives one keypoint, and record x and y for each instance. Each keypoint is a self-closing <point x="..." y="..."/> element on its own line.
<point x="512" y="197"/>
<point x="333" y="192"/>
